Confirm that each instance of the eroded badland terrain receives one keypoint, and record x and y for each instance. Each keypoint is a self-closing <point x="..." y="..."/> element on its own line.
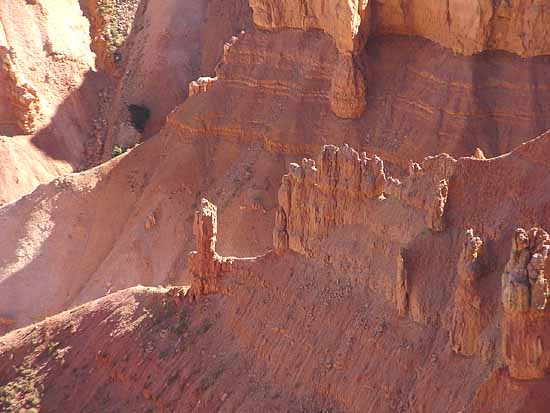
<point x="274" y="205"/>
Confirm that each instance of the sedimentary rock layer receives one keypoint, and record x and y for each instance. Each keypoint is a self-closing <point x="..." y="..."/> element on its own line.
<point x="425" y="100"/>
<point x="466" y="27"/>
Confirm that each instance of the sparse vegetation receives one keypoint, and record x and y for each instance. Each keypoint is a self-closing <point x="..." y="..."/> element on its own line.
<point x="208" y="380"/>
<point x="21" y="394"/>
<point x="118" y="150"/>
<point x="182" y="323"/>
<point x="112" y="34"/>
<point x="51" y="347"/>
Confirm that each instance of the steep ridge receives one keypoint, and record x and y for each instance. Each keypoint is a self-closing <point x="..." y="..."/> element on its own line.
<point x="370" y="298"/>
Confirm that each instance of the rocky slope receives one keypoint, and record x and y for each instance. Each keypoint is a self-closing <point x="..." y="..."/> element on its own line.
<point x="367" y="281"/>
<point x="305" y="329"/>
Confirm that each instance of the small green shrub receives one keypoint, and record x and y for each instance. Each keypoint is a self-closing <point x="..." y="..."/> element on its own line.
<point x="182" y="323"/>
<point x="51" y="347"/>
<point x="118" y="150"/>
<point x="207" y="381"/>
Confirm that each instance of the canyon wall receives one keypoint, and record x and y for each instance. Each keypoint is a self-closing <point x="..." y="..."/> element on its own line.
<point x="519" y="27"/>
<point x="425" y="99"/>
<point x="368" y="265"/>
<point x="466" y="27"/>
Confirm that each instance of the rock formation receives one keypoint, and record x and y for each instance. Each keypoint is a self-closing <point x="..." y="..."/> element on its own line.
<point x="202" y="84"/>
<point x="23" y="96"/>
<point x="524" y="285"/>
<point x="526" y="323"/>
<point x="342" y="20"/>
<point x="467" y="27"/>
<point x="338" y="189"/>
<point x="467" y="318"/>
<point x="347" y="89"/>
<point x="205" y="264"/>
<point x="470" y="26"/>
<point x="380" y="268"/>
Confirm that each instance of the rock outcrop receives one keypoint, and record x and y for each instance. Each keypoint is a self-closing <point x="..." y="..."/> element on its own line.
<point x="470" y="27"/>
<point x="347" y="89"/>
<point x="526" y="323"/>
<point x="467" y="318"/>
<point x="337" y="190"/>
<point x="202" y="84"/>
<point x="466" y="27"/>
<point x="205" y="264"/>
<point x="341" y="19"/>
<point x="348" y="195"/>
<point x="524" y="285"/>
<point x="344" y="21"/>
<point x="24" y="98"/>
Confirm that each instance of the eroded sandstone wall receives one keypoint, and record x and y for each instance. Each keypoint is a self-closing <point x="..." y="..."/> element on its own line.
<point x="346" y="210"/>
<point x="205" y="264"/>
<point x="466" y="27"/>
<point x="341" y="189"/>
<point x="471" y="26"/>
<point x="525" y="291"/>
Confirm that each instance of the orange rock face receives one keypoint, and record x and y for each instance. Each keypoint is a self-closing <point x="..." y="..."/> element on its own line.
<point x="333" y="191"/>
<point x="525" y="291"/>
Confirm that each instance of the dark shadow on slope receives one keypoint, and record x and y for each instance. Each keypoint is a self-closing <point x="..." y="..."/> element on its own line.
<point x="71" y="135"/>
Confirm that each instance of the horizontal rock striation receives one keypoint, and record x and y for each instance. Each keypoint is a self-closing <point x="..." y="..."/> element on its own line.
<point x="518" y="26"/>
<point x="424" y="99"/>
<point x="342" y="20"/>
